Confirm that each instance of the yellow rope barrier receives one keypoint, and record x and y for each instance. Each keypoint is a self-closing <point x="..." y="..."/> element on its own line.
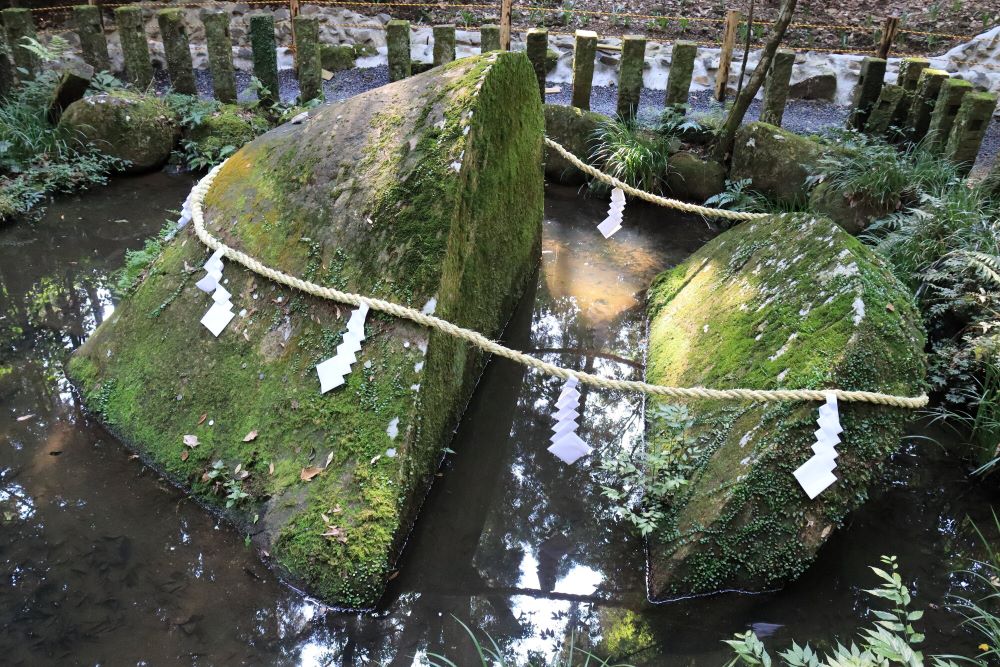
<point x="492" y="347"/>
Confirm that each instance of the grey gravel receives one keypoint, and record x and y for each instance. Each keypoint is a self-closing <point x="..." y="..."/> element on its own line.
<point x="802" y="116"/>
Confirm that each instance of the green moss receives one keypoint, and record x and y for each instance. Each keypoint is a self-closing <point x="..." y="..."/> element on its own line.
<point x="775" y="304"/>
<point x="219" y="44"/>
<point x="90" y="30"/>
<point x="397" y="36"/>
<point x="177" y="50"/>
<point x="776" y="161"/>
<point x="406" y="226"/>
<point x="135" y="47"/>
<point x="264" y="54"/>
<point x="630" y="75"/>
<point x="308" y="58"/>
<point x="18" y="26"/>
<point x="682" y="57"/>
<point x="337" y="57"/>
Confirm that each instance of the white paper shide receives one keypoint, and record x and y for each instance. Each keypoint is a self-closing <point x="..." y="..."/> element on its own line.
<point x="566" y="444"/>
<point x="816" y="474"/>
<point x="221" y="313"/>
<point x="616" y="211"/>
<point x="332" y="371"/>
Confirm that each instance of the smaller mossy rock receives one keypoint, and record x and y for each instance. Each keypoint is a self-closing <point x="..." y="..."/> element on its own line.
<point x="551" y="59"/>
<point x="337" y="58"/>
<point x="418" y="67"/>
<point x="693" y="179"/>
<point x="822" y="86"/>
<point x="777" y="162"/>
<point x="71" y="87"/>
<point x="852" y="214"/>
<point x="140" y="129"/>
<point x="231" y="125"/>
<point x="574" y="129"/>
<point x="785" y="302"/>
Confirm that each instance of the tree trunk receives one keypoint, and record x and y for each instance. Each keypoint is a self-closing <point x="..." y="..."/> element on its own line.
<point x="742" y="103"/>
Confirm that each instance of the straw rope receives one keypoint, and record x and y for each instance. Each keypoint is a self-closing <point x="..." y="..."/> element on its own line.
<point x="492" y="347"/>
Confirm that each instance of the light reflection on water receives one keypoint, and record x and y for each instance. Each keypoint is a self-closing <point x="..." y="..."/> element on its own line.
<point x="103" y="563"/>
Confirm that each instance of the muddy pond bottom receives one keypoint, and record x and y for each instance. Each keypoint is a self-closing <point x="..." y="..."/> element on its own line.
<point x="103" y="563"/>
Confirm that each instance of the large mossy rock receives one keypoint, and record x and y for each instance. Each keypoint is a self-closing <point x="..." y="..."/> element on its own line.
<point x="790" y="301"/>
<point x="227" y="129"/>
<point x="425" y="191"/>
<point x="574" y="129"/>
<point x="853" y="214"/>
<point x="777" y="162"/>
<point x="691" y="178"/>
<point x="140" y="129"/>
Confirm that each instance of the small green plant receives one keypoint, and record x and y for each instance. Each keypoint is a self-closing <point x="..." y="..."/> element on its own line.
<point x="137" y="262"/>
<point x="982" y="615"/>
<point x="632" y="153"/>
<point x="229" y="482"/>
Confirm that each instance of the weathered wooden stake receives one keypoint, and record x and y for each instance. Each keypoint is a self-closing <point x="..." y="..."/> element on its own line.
<point x="19" y="25"/>
<point x="90" y="30"/>
<point x="293" y="11"/>
<point x="889" y="30"/>
<point x="309" y="66"/>
<point x="505" y="7"/>
<point x="135" y="47"/>
<point x="866" y="92"/>
<point x="630" y="75"/>
<point x="537" y="47"/>
<point x="776" y="87"/>
<point x="726" y="55"/>
<point x="969" y="128"/>
<point x="682" y="57"/>
<point x="444" y="44"/>
<point x="948" y="103"/>
<point x="489" y="38"/>
<point x="584" y="52"/>
<point x="220" y="54"/>
<point x="265" y="56"/>
<point x="397" y="36"/>
<point x="924" y="97"/>
<point x="177" y="50"/>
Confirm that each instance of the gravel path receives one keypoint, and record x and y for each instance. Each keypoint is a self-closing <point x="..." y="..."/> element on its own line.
<point x="802" y="116"/>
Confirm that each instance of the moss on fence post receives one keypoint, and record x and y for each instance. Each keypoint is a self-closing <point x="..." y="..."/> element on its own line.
<point x="7" y="80"/>
<point x="682" y="57"/>
<point x="866" y="92"/>
<point x="489" y="38"/>
<point x="444" y="44"/>
<point x="969" y="128"/>
<point x="177" y="49"/>
<point x="90" y="30"/>
<point x="776" y="87"/>
<point x="884" y="110"/>
<point x="265" y="57"/>
<point x="537" y="47"/>
<point x="948" y="103"/>
<point x="909" y="72"/>
<point x="397" y="37"/>
<point x="630" y="75"/>
<point x="135" y="47"/>
<point x="19" y="25"/>
<point x="584" y="53"/>
<point x="220" y="54"/>
<point x="924" y="97"/>
<point x="308" y="61"/>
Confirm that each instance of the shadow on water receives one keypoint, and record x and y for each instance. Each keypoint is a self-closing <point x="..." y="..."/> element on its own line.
<point x="104" y="563"/>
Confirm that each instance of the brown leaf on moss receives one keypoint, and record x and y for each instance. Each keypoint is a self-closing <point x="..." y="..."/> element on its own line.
<point x="308" y="473"/>
<point x="270" y="468"/>
<point x="252" y="435"/>
<point x="201" y="420"/>
<point x="184" y="455"/>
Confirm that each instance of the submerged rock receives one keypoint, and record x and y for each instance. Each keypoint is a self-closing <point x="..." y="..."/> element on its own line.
<point x="777" y="162"/>
<point x="574" y="129"/>
<point x="426" y="192"/>
<point x="790" y="301"/>
<point x="138" y="128"/>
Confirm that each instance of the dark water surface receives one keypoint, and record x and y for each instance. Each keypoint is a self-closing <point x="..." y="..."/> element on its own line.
<point x="105" y="564"/>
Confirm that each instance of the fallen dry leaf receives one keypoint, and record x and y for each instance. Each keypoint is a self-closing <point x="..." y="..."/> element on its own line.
<point x="337" y="510"/>
<point x="270" y="468"/>
<point x="25" y="418"/>
<point x="891" y="308"/>
<point x="191" y="441"/>
<point x="308" y="473"/>
<point x="184" y="455"/>
<point x="201" y="420"/>
<point x="252" y="435"/>
<point x="393" y="575"/>
<point x="328" y="460"/>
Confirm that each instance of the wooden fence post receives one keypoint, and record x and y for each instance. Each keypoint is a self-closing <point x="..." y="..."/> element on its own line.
<point x="293" y="11"/>
<point x="889" y="30"/>
<point x="505" y="6"/>
<point x="726" y="55"/>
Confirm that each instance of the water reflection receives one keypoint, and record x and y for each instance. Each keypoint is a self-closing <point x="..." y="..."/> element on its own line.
<point x="104" y="563"/>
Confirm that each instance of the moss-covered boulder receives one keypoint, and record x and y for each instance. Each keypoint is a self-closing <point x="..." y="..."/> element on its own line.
<point x="140" y="129"/>
<point x="426" y="192"/>
<point x="791" y="301"/>
<point x="776" y="161"/>
<point x="574" y="129"/>
<point x="337" y="57"/>
<point x="852" y="213"/>
<point x="691" y="178"/>
<point x="230" y="127"/>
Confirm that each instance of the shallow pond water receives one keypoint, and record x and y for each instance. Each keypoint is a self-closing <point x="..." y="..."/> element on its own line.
<point x="105" y="564"/>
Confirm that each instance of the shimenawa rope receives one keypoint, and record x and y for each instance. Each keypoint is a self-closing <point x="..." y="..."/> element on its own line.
<point x="492" y="347"/>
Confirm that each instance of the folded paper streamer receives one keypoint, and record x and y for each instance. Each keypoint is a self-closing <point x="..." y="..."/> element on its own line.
<point x="332" y="371"/>
<point x="816" y="474"/>
<point x="221" y="313"/>
<point x="613" y="222"/>
<point x="566" y="444"/>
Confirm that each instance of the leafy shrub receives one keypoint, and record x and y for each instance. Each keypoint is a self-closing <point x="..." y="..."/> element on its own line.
<point x="632" y="153"/>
